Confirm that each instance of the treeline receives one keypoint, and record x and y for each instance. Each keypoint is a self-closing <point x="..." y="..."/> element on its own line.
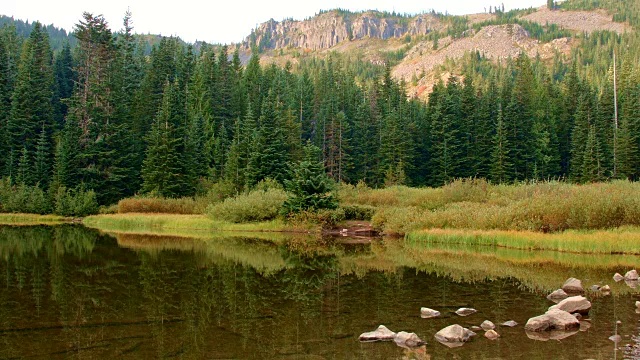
<point x="105" y="118"/>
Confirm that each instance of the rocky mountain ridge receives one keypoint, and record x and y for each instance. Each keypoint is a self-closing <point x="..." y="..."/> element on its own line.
<point x="331" y="28"/>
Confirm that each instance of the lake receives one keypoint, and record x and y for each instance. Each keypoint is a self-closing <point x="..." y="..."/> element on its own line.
<point x="71" y="292"/>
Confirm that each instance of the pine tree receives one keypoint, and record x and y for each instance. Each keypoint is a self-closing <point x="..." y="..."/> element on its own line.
<point x="500" y="162"/>
<point x="310" y="187"/>
<point x="161" y="171"/>
<point x="64" y="78"/>
<point x="269" y="157"/>
<point x="31" y="105"/>
<point x="592" y="170"/>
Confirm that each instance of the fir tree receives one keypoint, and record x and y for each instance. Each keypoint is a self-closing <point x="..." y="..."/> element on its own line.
<point x="31" y="105"/>
<point x="500" y="162"/>
<point x="310" y="187"/>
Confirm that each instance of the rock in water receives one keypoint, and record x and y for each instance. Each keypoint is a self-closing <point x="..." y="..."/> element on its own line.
<point x="594" y="288"/>
<point x="605" y="289"/>
<point x="466" y="311"/>
<point x="631" y="275"/>
<point x="617" y="277"/>
<point x="574" y="304"/>
<point x="454" y="334"/>
<point x="509" y="323"/>
<point x="380" y="334"/>
<point x="487" y="325"/>
<point x="553" y="320"/>
<point x="491" y="335"/>
<point x="573" y="285"/>
<point x="638" y="304"/>
<point x="408" y="340"/>
<point x="557" y="295"/>
<point x="427" y="313"/>
<point x="615" y="338"/>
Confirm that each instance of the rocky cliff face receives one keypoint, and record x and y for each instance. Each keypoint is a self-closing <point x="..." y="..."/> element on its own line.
<point x="329" y="29"/>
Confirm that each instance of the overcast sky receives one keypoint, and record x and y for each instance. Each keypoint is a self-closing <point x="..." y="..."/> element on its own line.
<point x="221" y="21"/>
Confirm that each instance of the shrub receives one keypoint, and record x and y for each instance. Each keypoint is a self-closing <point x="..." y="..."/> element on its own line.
<point x="157" y="205"/>
<point x="78" y="202"/>
<point x="23" y="198"/>
<point x="257" y="205"/>
<point x="214" y="193"/>
<point x="327" y="218"/>
<point x="358" y="212"/>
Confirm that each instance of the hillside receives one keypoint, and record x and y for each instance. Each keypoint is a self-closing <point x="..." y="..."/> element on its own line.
<point x="422" y="48"/>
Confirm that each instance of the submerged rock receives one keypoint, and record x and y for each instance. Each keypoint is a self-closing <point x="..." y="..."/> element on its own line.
<point x="574" y="304"/>
<point x="476" y="328"/>
<point x="594" y="288"/>
<point x="631" y="275"/>
<point x="573" y="285"/>
<point x="554" y="319"/>
<point x="550" y="335"/>
<point x="631" y="283"/>
<point x="454" y="334"/>
<point x="605" y="289"/>
<point x="615" y="338"/>
<point x="577" y="315"/>
<point x="509" y="323"/>
<point x="557" y="295"/>
<point x="491" y="335"/>
<point x="638" y="304"/>
<point x="382" y="333"/>
<point x="427" y="313"/>
<point x="487" y="325"/>
<point x="617" y="277"/>
<point x="466" y="311"/>
<point x="408" y="340"/>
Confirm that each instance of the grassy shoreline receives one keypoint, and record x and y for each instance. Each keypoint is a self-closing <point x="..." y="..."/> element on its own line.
<point x="19" y="219"/>
<point x="181" y="224"/>
<point x="625" y="240"/>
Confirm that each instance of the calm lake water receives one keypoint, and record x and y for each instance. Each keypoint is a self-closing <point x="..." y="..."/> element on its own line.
<point x="71" y="292"/>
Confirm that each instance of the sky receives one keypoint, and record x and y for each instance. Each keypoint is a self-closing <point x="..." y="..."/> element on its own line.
<point x="222" y="21"/>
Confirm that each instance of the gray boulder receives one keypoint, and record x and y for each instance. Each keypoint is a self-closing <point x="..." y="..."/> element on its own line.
<point x="631" y="275"/>
<point x="454" y="334"/>
<point x="408" y="340"/>
<point x="617" y="277"/>
<point x="427" y="313"/>
<point x="466" y="311"/>
<point x="554" y="319"/>
<point x="382" y="333"/>
<point x="575" y="304"/>
<point x="491" y="335"/>
<point x="557" y="295"/>
<point x="573" y="285"/>
<point x="487" y="325"/>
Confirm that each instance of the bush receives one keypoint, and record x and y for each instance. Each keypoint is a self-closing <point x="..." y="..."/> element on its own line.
<point x="78" y="202"/>
<point x="257" y="205"/>
<point x="23" y="199"/>
<point x="358" y="212"/>
<point x="157" y="205"/>
<point x="326" y="218"/>
<point x="214" y="193"/>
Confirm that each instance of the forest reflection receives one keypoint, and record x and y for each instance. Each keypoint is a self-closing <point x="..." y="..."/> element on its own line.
<point x="81" y="292"/>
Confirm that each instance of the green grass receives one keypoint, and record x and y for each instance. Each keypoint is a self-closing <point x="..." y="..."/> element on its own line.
<point x="624" y="240"/>
<point x="180" y="225"/>
<point x="31" y="219"/>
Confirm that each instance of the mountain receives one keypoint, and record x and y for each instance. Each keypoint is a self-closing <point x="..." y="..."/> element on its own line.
<point x="421" y="48"/>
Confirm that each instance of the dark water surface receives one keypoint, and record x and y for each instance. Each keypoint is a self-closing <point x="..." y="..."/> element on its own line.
<point x="70" y="292"/>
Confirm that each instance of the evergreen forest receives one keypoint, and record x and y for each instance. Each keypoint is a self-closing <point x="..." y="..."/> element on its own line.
<point x="105" y="115"/>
